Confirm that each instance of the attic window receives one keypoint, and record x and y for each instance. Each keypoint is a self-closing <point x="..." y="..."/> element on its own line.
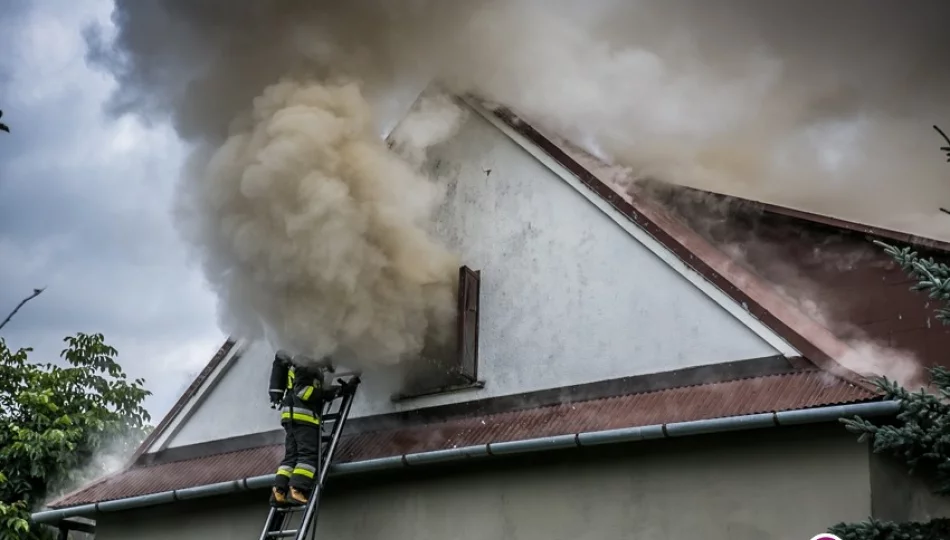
<point x="451" y="368"/>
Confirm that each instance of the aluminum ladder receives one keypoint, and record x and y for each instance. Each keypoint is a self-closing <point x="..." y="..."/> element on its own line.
<point x="280" y="521"/>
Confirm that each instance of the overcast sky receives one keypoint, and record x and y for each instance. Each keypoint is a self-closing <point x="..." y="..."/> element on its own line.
<point x="85" y="210"/>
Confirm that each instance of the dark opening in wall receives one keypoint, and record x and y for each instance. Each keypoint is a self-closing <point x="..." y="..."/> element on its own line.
<point x="453" y="366"/>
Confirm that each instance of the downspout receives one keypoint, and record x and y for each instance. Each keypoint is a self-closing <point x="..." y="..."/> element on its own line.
<point x="577" y="440"/>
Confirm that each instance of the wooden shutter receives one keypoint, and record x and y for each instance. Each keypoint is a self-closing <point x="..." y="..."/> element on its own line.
<point x="468" y="323"/>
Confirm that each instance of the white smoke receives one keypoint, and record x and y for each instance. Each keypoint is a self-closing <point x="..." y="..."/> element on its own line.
<point x="435" y="118"/>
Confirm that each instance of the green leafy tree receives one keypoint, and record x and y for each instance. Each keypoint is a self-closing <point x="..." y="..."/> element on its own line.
<point x="56" y="421"/>
<point x="920" y="437"/>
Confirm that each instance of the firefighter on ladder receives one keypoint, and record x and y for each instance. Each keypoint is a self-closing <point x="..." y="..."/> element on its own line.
<point x="300" y="387"/>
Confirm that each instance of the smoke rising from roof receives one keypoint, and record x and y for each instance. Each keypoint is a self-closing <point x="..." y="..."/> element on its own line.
<point x="825" y="106"/>
<point x="820" y="106"/>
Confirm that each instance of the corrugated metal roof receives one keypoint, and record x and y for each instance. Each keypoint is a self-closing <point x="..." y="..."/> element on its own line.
<point x="739" y="397"/>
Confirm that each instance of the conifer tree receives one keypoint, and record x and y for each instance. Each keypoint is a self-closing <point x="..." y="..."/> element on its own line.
<point x="920" y="437"/>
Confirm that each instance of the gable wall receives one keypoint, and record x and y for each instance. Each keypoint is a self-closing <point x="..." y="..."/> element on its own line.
<point x="237" y="404"/>
<point x="568" y="296"/>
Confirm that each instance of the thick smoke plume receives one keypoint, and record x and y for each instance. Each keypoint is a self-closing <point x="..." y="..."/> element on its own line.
<point x="314" y="232"/>
<point x="310" y="225"/>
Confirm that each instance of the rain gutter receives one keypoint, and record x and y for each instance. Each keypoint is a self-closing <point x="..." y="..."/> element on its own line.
<point x="577" y="440"/>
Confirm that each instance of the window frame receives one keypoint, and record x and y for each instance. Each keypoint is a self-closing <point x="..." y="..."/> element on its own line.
<point x="463" y="370"/>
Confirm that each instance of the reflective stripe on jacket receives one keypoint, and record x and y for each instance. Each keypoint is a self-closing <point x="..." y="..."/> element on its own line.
<point x="299" y="414"/>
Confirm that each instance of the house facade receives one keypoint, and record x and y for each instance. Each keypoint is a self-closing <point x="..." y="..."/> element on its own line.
<point x="618" y="375"/>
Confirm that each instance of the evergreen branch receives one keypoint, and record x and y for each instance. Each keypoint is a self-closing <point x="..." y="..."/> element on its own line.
<point x="931" y="276"/>
<point x="875" y="529"/>
<point x="920" y="437"/>
<point x="941" y="378"/>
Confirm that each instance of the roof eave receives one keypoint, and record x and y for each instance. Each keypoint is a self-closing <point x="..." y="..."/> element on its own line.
<point x="457" y="455"/>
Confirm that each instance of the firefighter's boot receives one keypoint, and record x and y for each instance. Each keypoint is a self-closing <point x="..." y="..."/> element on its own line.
<point x="278" y="497"/>
<point x="298" y="496"/>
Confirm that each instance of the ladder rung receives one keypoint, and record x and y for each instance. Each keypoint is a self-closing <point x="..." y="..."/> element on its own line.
<point x="292" y="509"/>
<point x="282" y="534"/>
<point x="331" y="417"/>
<point x="327" y="437"/>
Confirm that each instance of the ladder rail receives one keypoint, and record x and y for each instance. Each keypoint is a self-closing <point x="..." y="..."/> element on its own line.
<point x="269" y="524"/>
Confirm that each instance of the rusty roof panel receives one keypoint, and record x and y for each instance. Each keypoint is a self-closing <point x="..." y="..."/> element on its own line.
<point x="829" y="264"/>
<point x="799" y="390"/>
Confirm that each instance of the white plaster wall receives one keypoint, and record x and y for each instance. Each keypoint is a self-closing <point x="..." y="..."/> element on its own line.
<point x="562" y="283"/>
<point x="237" y="405"/>
<point x="752" y="486"/>
<point x="567" y="295"/>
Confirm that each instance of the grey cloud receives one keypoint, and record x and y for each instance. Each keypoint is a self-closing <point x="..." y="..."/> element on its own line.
<point x="85" y="210"/>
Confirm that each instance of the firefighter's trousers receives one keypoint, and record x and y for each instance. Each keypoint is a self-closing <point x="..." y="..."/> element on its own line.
<point x="301" y="456"/>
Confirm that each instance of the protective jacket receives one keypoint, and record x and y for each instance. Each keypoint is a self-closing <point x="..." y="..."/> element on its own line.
<point x="300" y="389"/>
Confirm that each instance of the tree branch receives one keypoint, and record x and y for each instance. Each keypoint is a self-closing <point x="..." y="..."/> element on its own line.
<point x="36" y="292"/>
<point x="944" y="148"/>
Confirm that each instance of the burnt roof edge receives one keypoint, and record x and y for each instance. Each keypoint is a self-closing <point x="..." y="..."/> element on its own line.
<point x="813" y="415"/>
